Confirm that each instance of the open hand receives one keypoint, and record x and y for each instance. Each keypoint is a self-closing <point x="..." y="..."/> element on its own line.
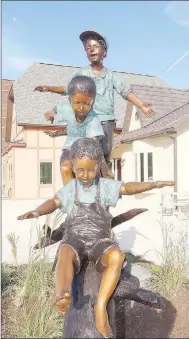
<point x="160" y="184"/>
<point x="29" y="215"/>
<point x="42" y="89"/>
<point x="117" y="132"/>
<point x="49" y="116"/>
<point x="146" y="109"/>
<point x="50" y="133"/>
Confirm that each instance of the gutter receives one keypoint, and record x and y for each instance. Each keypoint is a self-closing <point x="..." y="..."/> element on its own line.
<point x="175" y="153"/>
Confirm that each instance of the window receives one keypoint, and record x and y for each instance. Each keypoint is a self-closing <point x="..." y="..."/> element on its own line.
<point x="150" y="167"/>
<point x="46" y="173"/>
<point x="10" y="193"/>
<point x="116" y="169"/>
<point x="141" y="166"/>
<point x="144" y="167"/>
<point x="10" y="171"/>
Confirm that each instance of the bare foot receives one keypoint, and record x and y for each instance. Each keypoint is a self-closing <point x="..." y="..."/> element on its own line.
<point x="102" y="322"/>
<point x="62" y="303"/>
<point x="159" y="310"/>
<point x="108" y="175"/>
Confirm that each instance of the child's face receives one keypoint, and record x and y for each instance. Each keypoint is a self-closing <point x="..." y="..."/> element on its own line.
<point x="81" y="105"/>
<point x="95" y="51"/>
<point x="85" y="170"/>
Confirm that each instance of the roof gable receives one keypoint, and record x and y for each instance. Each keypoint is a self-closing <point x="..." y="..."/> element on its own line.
<point x="163" y="99"/>
<point x="30" y="106"/>
<point x="168" y="122"/>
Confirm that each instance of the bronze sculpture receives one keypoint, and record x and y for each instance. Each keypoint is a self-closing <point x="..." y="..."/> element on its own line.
<point x="82" y="121"/>
<point x="86" y="284"/>
<point x="87" y="236"/>
<point x="106" y="81"/>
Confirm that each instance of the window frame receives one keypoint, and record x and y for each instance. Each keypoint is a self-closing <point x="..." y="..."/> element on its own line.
<point x="115" y="168"/>
<point x="48" y="184"/>
<point x="10" y="171"/>
<point x="143" y="170"/>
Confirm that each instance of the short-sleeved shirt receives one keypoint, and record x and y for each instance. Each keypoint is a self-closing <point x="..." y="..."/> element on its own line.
<point x="109" y="194"/>
<point x="91" y="127"/>
<point x="106" y="82"/>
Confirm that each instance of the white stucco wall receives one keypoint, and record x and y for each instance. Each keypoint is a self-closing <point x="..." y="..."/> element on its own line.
<point x="142" y="235"/>
<point x="163" y="169"/>
<point x="26" y="165"/>
<point x="26" y="230"/>
<point x="7" y="162"/>
<point x="183" y="158"/>
<point x="135" y="121"/>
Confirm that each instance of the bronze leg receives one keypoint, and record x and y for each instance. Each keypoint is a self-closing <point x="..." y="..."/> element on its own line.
<point x="64" y="273"/>
<point x="106" y="173"/>
<point x="112" y="260"/>
<point x="66" y="172"/>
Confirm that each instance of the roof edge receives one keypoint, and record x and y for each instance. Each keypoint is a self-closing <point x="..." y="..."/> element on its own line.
<point x="163" y="116"/>
<point x="72" y="66"/>
<point x="149" y="135"/>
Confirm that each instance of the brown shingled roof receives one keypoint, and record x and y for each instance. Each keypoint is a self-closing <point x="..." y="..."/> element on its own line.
<point x="30" y="106"/>
<point x="163" y="99"/>
<point x="168" y="123"/>
<point x="9" y="145"/>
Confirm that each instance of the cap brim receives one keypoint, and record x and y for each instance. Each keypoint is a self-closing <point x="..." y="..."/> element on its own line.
<point x="88" y="34"/>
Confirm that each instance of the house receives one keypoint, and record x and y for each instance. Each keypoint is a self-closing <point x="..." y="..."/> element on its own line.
<point x="6" y="85"/>
<point x="156" y="148"/>
<point x="146" y="149"/>
<point x="31" y="158"/>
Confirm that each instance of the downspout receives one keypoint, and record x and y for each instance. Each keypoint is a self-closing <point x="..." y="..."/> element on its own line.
<point x="174" y="138"/>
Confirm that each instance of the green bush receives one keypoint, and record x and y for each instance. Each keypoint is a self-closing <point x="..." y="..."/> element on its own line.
<point x="31" y="302"/>
<point x="171" y="276"/>
<point x="9" y="276"/>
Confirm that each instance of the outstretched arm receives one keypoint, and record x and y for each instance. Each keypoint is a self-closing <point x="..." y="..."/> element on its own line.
<point x="50" y="115"/>
<point x="47" y="207"/>
<point x="53" y="89"/>
<point x="56" y="134"/>
<point x="59" y="113"/>
<point x="127" y="93"/>
<point x="145" y="108"/>
<point x="139" y="187"/>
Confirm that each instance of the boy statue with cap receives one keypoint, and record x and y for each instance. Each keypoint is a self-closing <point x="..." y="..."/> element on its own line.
<point x="106" y="81"/>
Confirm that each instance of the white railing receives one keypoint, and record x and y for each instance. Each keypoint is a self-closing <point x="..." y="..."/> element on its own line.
<point x="175" y="204"/>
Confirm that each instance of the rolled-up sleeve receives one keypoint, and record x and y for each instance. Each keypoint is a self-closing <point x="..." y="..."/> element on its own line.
<point x="111" y="189"/>
<point x="65" y="89"/>
<point x="62" y="112"/>
<point x="94" y="128"/>
<point x="121" y="88"/>
<point x="66" y="197"/>
<point x="60" y="195"/>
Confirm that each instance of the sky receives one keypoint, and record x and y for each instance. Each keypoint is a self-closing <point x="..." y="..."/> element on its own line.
<point x="145" y="37"/>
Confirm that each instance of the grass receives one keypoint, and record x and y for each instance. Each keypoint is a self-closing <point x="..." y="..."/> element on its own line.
<point x="13" y="240"/>
<point x="28" y="290"/>
<point x="29" y="312"/>
<point x="172" y="275"/>
<point x="27" y="297"/>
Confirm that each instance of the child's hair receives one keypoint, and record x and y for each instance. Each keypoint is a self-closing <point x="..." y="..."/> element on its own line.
<point x="86" y="147"/>
<point x="82" y="84"/>
<point x="101" y="41"/>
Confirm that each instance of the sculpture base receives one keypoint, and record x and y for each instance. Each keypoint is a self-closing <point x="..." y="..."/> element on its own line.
<point x="79" y="321"/>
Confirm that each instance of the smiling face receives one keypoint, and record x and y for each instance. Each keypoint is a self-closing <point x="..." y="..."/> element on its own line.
<point x="95" y="51"/>
<point x="85" y="170"/>
<point x="81" y="105"/>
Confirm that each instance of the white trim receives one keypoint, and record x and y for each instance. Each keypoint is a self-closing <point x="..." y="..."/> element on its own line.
<point x="138" y="164"/>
